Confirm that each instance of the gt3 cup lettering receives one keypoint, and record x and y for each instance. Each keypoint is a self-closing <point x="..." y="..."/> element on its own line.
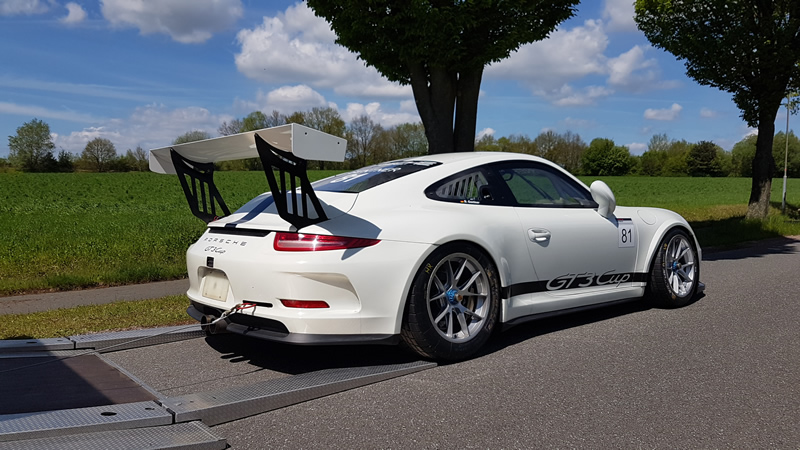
<point x="589" y="279"/>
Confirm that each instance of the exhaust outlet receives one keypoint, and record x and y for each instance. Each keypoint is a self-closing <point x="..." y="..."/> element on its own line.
<point x="211" y="328"/>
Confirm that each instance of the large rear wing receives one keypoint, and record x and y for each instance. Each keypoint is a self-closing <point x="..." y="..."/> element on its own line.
<point x="283" y="149"/>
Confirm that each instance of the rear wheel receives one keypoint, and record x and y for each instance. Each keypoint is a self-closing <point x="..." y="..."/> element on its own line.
<point x="453" y="303"/>
<point x="675" y="272"/>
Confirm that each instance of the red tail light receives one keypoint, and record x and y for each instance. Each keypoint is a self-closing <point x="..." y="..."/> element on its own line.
<point x="296" y="242"/>
<point x="305" y="304"/>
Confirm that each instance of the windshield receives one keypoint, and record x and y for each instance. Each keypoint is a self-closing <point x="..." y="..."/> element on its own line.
<point x="362" y="179"/>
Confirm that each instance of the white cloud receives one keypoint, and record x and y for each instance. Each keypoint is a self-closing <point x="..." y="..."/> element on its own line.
<point x="484" y="132"/>
<point x="551" y="67"/>
<point x="75" y="15"/>
<point x="632" y="72"/>
<point x="45" y="113"/>
<point x="186" y="21"/>
<point x="376" y="112"/>
<point x="637" y="148"/>
<point x="150" y="126"/>
<point x="27" y="7"/>
<point x="298" y="47"/>
<point x="664" y="114"/>
<point x="619" y="14"/>
<point x="571" y="123"/>
<point x="567" y="96"/>
<point x="288" y="99"/>
<point x="565" y="56"/>
<point x="707" y="113"/>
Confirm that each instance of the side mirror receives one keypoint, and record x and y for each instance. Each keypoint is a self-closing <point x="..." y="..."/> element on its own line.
<point x="605" y="199"/>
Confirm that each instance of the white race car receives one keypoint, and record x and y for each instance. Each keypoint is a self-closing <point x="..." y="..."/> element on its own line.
<point x="436" y="251"/>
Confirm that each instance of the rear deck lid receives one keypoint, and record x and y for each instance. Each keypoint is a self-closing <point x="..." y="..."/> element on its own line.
<point x="261" y="212"/>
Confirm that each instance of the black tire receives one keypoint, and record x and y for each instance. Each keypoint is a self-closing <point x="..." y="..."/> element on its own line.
<point x="453" y="303"/>
<point x="676" y="271"/>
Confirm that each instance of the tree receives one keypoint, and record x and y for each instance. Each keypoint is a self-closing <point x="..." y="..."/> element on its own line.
<point x="742" y="156"/>
<point x="750" y="48"/>
<point x="440" y="48"/>
<point x="31" y="149"/>
<point x="191" y="136"/>
<point x="605" y="158"/>
<point x="675" y="163"/>
<point x="702" y="160"/>
<point x="135" y="160"/>
<point x="227" y="129"/>
<point x="362" y="137"/>
<point x="778" y="150"/>
<point x="65" y="162"/>
<point x="571" y="153"/>
<point x="98" y="154"/>
<point x="406" y="140"/>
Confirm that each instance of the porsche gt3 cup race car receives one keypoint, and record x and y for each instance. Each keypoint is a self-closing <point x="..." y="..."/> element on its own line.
<point x="436" y="251"/>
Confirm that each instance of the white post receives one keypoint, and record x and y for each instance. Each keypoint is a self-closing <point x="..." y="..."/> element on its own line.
<point x="785" y="158"/>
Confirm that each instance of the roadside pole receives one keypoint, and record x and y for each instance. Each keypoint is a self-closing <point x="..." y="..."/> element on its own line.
<point x="785" y="158"/>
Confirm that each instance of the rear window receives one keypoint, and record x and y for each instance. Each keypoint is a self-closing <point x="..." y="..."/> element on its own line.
<point x="368" y="177"/>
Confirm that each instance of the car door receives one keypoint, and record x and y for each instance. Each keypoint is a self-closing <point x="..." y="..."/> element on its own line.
<point x="579" y="257"/>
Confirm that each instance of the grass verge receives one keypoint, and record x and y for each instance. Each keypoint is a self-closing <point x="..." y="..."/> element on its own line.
<point x="118" y="316"/>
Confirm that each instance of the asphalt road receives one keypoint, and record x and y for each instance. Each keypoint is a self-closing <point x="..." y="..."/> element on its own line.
<point x="723" y="372"/>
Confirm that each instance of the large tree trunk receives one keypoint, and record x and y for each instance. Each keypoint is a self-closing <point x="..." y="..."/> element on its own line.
<point x="435" y="94"/>
<point x="469" y="88"/>
<point x="763" y="166"/>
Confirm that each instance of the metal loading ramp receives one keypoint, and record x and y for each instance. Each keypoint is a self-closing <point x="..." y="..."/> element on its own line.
<point x="156" y="421"/>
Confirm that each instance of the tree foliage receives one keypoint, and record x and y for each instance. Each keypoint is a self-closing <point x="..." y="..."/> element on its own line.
<point x="440" y="48"/>
<point x="605" y="158"/>
<point x="31" y="149"/>
<point x="703" y="160"/>
<point x="191" y="136"/>
<point x="750" y="48"/>
<point x="99" y="154"/>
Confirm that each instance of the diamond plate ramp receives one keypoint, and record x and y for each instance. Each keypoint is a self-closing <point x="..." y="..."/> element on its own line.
<point x="190" y="435"/>
<point x="122" y="340"/>
<point x="15" y="427"/>
<point x="231" y="404"/>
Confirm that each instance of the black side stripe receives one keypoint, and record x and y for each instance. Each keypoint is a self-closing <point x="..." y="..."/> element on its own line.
<point x="573" y="281"/>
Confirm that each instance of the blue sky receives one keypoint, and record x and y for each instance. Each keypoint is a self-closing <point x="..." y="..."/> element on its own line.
<point x="144" y="72"/>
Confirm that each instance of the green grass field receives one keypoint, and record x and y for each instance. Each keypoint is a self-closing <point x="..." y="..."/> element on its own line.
<point x="67" y="231"/>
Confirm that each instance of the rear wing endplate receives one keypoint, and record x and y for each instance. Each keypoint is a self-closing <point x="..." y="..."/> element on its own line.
<point x="284" y="152"/>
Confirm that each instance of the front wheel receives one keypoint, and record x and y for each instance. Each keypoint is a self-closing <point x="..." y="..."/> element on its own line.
<point x="675" y="272"/>
<point x="453" y="303"/>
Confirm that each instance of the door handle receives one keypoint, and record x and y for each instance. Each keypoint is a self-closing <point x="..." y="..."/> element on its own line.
<point x="539" y="234"/>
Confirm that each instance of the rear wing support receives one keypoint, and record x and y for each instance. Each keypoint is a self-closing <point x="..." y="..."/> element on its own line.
<point x="197" y="181"/>
<point x="292" y="171"/>
<point x="284" y="149"/>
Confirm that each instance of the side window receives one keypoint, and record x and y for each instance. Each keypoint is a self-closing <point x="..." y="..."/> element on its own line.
<point x="539" y="185"/>
<point x="465" y="187"/>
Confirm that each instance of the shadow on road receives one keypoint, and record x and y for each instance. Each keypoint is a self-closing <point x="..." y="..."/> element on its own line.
<point x="758" y="249"/>
<point x="296" y="359"/>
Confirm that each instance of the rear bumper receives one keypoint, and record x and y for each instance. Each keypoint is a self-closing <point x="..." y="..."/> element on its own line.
<point x="273" y="330"/>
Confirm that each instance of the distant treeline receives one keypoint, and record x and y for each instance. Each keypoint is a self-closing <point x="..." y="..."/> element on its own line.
<point x="32" y="149"/>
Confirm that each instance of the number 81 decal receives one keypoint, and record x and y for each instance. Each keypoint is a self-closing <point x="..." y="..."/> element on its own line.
<point x="627" y="234"/>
